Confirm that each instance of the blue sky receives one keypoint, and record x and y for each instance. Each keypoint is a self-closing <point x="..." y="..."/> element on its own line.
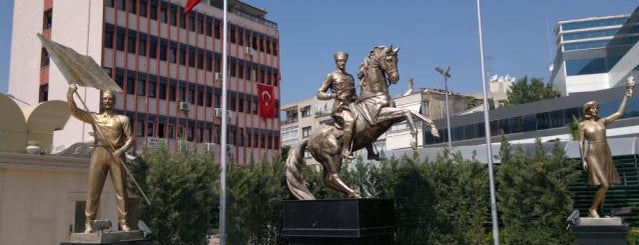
<point x="518" y="38"/>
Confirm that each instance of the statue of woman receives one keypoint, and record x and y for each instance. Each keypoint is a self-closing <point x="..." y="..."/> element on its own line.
<point x="597" y="159"/>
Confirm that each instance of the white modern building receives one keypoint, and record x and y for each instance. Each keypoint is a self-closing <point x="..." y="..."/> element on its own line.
<point x="594" y="53"/>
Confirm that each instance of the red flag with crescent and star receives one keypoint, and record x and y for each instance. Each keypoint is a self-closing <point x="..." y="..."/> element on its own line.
<point x="266" y="99"/>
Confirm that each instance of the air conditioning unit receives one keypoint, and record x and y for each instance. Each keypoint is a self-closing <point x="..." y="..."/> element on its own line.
<point x="218" y="113"/>
<point x="218" y="76"/>
<point x="250" y="51"/>
<point x="184" y="106"/>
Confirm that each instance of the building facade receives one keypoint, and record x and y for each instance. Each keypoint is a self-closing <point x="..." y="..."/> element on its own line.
<point x="168" y="64"/>
<point x="592" y="53"/>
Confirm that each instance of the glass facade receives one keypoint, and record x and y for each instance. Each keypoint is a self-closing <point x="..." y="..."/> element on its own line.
<point x="529" y="123"/>
<point x="593" y="23"/>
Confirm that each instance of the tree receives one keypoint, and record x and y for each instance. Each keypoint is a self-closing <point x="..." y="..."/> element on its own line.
<point x="180" y="188"/>
<point x="533" y="195"/>
<point x="523" y="91"/>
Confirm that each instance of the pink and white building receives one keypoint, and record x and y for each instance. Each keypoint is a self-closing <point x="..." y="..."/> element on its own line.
<point x="167" y="63"/>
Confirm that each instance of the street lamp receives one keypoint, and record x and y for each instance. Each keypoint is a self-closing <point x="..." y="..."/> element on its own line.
<point x="446" y="75"/>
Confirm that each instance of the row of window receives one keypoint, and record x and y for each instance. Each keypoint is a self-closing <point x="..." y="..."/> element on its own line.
<point x="593" y="23"/>
<point x="591" y="66"/>
<point x="166" y="50"/>
<point x="205" y="132"/>
<point x="529" y="123"/>
<point x="172" y="90"/>
<point x="172" y="14"/>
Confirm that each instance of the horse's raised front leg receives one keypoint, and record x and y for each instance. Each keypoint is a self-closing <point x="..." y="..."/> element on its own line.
<point x="413" y="129"/>
<point x="433" y="129"/>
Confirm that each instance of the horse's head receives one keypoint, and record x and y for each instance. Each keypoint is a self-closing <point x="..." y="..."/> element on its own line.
<point x="383" y="58"/>
<point x="388" y="63"/>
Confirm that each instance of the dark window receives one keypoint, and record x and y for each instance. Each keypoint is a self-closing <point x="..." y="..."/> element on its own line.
<point x="150" y="129"/>
<point x="108" y="39"/>
<point x="143" y="8"/>
<point x="141" y="87"/>
<point x="121" y="4"/>
<point x="132" y="6"/>
<point x="200" y="61"/>
<point x="119" y="79"/>
<point x="47" y="20"/>
<point x="208" y="99"/>
<point x="191" y="58"/>
<point x="130" y="85"/>
<point x="181" y="94"/>
<point x="240" y="105"/>
<point x="131" y="44"/>
<point x="200" y="98"/>
<point x="79" y="216"/>
<point x="43" y="94"/>
<point x="233" y="38"/>
<point x="543" y="121"/>
<point x="172" y="93"/>
<point x="191" y="96"/>
<point x="44" y="59"/>
<point x="182" y="57"/>
<point x="162" y="51"/>
<point x="218" y="31"/>
<point x="191" y="23"/>
<point x="162" y="94"/>
<point x="154" y="11"/>
<point x="119" y="41"/>
<point x="161" y="130"/>
<point x="200" y="26"/>
<point x="162" y="14"/>
<point x="183" y="21"/>
<point x="209" y="26"/>
<point x="153" y="46"/>
<point x="172" y="54"/>
<point x="209" y="63"/>
<point x="173" y="17"/>
<point x="275" y="48"/>
<point x="109" y="3"/>
<point x="142" y="47"/>
<point x="152" y="89"/>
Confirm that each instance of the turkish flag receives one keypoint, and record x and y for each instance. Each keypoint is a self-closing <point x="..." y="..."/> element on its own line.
<point x="266" y="101"/>
<point x="189" y="5"/>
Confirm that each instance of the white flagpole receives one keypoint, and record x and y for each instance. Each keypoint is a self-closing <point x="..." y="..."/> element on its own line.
<point x="489" y="150"/>
<point x="223" y="135"/>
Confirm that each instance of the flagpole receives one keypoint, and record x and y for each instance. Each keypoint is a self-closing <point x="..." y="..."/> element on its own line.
<point x="489" y="150"/>
<point x="224" y="126"/>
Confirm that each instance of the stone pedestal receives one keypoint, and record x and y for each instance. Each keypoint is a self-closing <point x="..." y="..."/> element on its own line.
<point x="339" y="221"/>
<point x="113" y="238"/>
<point x="594" y="231"/>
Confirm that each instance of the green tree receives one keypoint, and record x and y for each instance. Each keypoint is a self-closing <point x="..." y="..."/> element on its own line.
<point x="524" y="91"/>
<point x="533" y="195"/>
<point x="180" y="188"/>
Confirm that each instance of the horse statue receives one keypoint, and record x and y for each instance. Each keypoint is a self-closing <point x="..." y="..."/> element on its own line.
<point x="375" y="113"/>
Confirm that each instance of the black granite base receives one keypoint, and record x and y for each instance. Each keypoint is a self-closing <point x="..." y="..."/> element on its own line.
<point x="339" y="221"/>
<point x="595" y="231"/>
<point x="111" y="238"/>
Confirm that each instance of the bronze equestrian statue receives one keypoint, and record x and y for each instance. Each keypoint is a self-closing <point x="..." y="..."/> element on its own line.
<point x="373" y="113"/>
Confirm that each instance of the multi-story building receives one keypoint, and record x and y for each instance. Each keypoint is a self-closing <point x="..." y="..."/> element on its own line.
<point x="168" y="64"/>
<point x="590" y="52"/>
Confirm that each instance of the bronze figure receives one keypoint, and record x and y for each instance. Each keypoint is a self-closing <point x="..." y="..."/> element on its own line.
<point x="342" y="86"/>
<point x="113" y="136"/>
<point x="372" y="115"/>
<point x="597" y="159"/>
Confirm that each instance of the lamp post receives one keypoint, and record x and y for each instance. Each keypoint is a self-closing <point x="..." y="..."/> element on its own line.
<point x="446" y="75"/>
<point x="489" y="150"/>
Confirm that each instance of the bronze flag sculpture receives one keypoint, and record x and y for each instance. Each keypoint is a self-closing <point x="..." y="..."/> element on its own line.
<point x="373" y="113"/>
<point x="113" y="134"/>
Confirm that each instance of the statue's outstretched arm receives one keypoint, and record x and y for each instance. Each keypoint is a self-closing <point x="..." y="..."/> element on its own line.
<point x="78" y="113"/>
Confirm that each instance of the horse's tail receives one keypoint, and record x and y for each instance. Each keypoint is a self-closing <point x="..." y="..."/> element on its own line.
<point x="294" y="178"/>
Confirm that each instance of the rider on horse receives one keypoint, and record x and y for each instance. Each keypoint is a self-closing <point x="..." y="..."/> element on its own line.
<point x="342" y="86"/>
